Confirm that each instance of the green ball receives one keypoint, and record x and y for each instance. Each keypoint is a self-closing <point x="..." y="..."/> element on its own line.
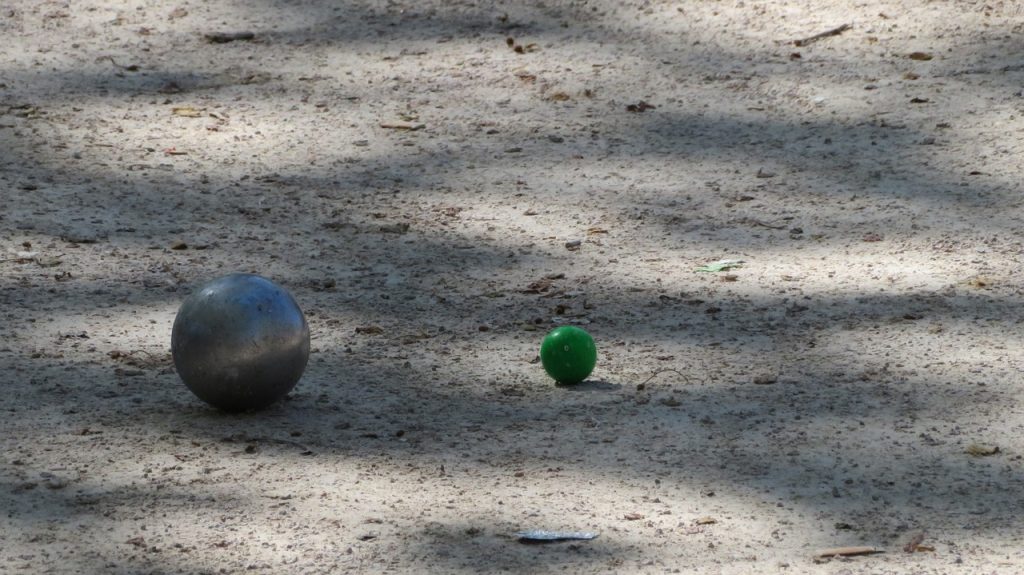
<point x="568" y="354"/>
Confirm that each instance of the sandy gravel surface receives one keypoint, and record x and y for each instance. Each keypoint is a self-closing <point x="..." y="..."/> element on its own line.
<point x="439" y="184"/>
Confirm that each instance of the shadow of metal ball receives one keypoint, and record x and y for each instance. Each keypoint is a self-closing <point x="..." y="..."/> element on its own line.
<point x="240" y="342"/>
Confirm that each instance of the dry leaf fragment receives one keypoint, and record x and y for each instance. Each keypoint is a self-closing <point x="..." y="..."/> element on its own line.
<point x="370" y="330"/>
<point x="639" y="107"/>
<point x="186" y="112"/>
<point x="559" y="97"/>
<point x="596" y="230"/>
<point x="539" y="286"/>
<point x="633" y="516"/>
<point x="914" y="543"/>
<point x="848" y="551"/>
<point x="980" y="450"/>
<point x="920" y="56"/>
<point x="924" y="548"/>
<point x="706" y="520"/>
<point x="520" y="49"/>
<point x="980" y="282"/>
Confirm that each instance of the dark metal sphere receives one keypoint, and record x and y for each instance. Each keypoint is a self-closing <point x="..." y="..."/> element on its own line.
<point x="240" y="342"/>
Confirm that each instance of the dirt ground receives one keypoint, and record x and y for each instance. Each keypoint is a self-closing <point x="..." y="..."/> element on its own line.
<point x="440" y="183"/>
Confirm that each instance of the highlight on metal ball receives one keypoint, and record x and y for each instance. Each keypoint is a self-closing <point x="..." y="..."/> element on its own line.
<point x="240" y="342"/>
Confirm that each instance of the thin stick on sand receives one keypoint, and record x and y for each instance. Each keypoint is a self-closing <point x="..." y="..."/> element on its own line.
<point x="825" y="34"/>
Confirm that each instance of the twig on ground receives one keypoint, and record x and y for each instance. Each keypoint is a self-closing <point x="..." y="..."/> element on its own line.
<point x="225" y="37"/>
<point x="848" y="551"/>
<point x="812" y="39"/>
<point x="242" y="438"/>
<point x="661" y="371"/>
<point x="755" y="222"/>
<point x="410" y="127"/>
<point x="129" y="67"/>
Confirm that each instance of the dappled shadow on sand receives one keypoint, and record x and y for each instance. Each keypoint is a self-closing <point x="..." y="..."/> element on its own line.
<point x="832" y="428"/>
<point x="832" y="434"/>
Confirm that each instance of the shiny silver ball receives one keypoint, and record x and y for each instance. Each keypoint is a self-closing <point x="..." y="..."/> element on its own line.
<point x="240" y="342"/>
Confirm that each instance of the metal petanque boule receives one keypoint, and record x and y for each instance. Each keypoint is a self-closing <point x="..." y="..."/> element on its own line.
<point x="240" y="342"/>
